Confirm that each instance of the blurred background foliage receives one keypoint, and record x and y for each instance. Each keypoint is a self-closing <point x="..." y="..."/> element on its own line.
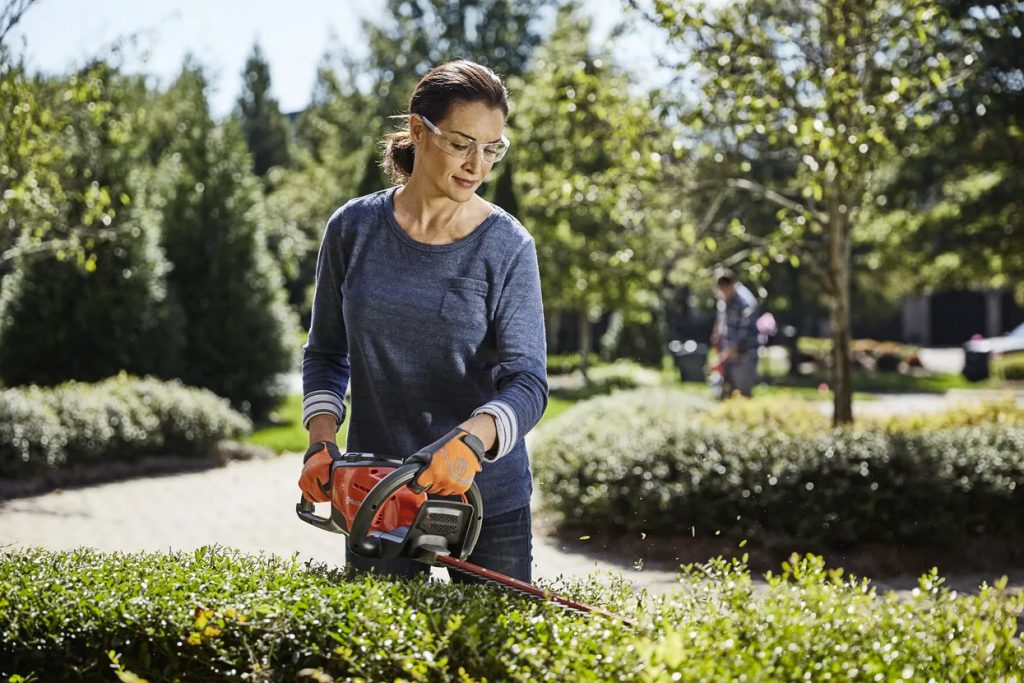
<point x="839" y="156"/>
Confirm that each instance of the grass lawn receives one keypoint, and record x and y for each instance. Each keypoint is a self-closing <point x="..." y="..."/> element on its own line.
<point x="285" y="433"/>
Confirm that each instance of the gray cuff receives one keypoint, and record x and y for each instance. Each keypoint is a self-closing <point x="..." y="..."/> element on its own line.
<point x="507" y="424"/>
<point x="322" y="403"/>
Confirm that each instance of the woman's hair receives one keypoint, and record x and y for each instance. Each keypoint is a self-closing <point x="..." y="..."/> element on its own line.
<point x="460" y="81"/>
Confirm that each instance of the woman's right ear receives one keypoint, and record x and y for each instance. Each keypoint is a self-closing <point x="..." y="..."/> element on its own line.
<point x="416" y="128"/>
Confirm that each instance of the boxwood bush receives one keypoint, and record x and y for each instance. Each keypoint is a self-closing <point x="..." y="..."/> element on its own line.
<point x="1009" y="367"/>
<point x="649" y="462"/>
<point x="216" y="615"/>
<point x="121" y="418"/>
<point x="800" y="416"/>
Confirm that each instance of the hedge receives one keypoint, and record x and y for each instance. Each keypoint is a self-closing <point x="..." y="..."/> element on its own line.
<point x="798" y="416"/>
<point x="122" y="418"/>
<point x="1009" y="367"/>
<point x="647" y="462"/>
<point x="216" y="615"/>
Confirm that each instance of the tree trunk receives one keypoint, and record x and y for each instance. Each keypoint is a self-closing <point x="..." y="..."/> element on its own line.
<point x="612" y="338"/>
<point x="792" y="342"/>
<point x="585" y="345"/>
<point x="839" y="273"/>
<point x="554" y="329"/>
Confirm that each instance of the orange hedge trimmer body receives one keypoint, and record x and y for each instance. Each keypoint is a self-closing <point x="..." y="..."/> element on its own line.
<point x="382" y="517"/>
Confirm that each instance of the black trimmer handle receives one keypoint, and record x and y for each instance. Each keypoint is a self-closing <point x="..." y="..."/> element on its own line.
<point x="307" y="513"/>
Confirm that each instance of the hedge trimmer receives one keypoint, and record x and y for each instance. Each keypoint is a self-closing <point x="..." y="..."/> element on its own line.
<point x="383" y="517"/>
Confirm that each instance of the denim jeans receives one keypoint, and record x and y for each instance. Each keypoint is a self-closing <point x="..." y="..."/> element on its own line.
<point x="740" y="374"/>
<point x="505" y="546"/>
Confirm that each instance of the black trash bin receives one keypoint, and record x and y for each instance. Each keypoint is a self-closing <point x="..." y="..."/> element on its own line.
<point x="976" y="365"/>
<point x="690" y="357"/>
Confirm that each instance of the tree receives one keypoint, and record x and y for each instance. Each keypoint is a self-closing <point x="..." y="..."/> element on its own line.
<point x="957" y="199"/>
<point x="587" y="161"/>
<point x="419" y="34"/>
<point x="265" y="128"/>
<point x="10" y="15"/>
<point x="838" y="90"/>
<point x="238" y="325"/>
<point x="42" y="121"/>
<point x="334" y="159"/>
<point x="90" y="317"/>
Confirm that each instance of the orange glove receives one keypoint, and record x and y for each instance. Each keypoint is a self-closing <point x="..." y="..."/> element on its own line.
<point x="451" y="463"/>
<point x="315" y="480"/>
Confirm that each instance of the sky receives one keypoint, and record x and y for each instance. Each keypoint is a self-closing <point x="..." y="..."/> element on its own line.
<point x="57" y="35"/>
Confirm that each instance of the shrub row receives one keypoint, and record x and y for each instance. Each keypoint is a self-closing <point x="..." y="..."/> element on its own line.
<point x="215" y="615"/>
<point x="868" y="354"/>
<point x="118" y="419"/>
<point x="565" y="363"/>
<point x="643" y="462"/>
<point x="1009" y="367"/>
<point x="799" y="416"/>
<point x="624" y="374"/>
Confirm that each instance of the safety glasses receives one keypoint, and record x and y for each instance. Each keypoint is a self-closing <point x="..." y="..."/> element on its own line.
<point x="461" y="147"/>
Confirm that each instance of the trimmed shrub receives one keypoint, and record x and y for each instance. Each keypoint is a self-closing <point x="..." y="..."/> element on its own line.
<point x="800" y="416"/>
<point x="624" y="374"/>
<point x="191" y="420"/>
<point x="565" y="363"/>
<point x="1005" y="413"/>
<point x="216" y="615"/>
<point x="786" y="413"/>
<point x="31" y="435"/>
<point x="1009" y="367"/>
<point x="121" y="418"/>
<point x="630" y="464"/>
<point x="868" y="354"/>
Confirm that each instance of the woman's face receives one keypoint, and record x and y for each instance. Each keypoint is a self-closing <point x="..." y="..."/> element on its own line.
<point x="451" y="176"/>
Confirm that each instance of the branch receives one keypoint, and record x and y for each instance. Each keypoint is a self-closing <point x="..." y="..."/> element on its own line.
<point x="49" y="246"/>
<point x="709" y="215"/>
<point x="806" y="255"/>
<point x="11" y="14"/>
<point x="776" y="198"/>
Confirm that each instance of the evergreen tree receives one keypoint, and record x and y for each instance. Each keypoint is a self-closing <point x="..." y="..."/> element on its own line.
<point x="239" y="327"/>
<point x="266" y="129"/>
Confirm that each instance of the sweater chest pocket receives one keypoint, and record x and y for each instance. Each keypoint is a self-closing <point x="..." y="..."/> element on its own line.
<point x="465" y="302"/>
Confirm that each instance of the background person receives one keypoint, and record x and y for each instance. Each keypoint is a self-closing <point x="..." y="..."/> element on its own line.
<point x="735" y="335"/>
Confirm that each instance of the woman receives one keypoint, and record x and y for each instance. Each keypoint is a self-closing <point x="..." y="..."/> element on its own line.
<point x="428" y="301"/>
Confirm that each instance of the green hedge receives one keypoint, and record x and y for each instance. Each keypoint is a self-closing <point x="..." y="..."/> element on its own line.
<point x="1009" y="367"/>
<point x="793" y="415"/>
<point x="565" y="363"/>
<point x="215" y="615"/>
<point x="121" y="418"/>
<point x="647" y="462"/>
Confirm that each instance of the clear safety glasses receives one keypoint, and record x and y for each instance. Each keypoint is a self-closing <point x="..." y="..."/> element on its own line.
<point x="461" y="147"/>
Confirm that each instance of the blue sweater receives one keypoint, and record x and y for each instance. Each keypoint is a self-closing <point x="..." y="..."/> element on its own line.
<point x="425" y="336"/>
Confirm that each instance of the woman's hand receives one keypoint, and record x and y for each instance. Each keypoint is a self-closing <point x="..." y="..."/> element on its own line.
<point x="451" y="463"/>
